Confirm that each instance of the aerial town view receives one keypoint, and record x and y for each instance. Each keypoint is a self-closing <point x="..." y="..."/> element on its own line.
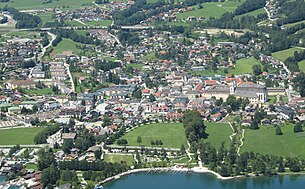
<point x="152" y="94"/>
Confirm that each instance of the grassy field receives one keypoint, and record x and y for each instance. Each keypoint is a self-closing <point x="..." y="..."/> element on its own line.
<point x="38" y="4"/>
<point x="295" y="23"/>
<point x="302" y="65"/>
<point x="244" y="66"/>
<point x="119" y="158"/>
<point x="23" y="34"/>
<point x="135" y="66"/>
<point x="46" y="17"/>
<point x="282" y="55"/>
<point x="253" y="13"/>
<point x="74" y="23"/>
<point x="67" y="45"/>
<point x="31" y="166"/>
<point x="18" y="136"/>
<point x="265" y="141"/>
<point x="99" y="23"/>
<point x="210" y="9"/>
<point x="218" y="133"/>
<point x="171" y="134"/>
<point x="38" y="92"/>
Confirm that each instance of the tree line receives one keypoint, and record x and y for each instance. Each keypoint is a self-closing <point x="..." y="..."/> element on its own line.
<point x="74" y="36"/>
<point x="24" y="20"/>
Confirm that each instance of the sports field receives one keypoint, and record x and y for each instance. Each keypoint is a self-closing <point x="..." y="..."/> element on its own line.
<point x="18" y="135"/>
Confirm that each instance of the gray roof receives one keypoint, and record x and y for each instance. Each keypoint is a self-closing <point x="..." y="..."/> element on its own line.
<point x="249" y="90"/>
<point x="218" y="89"/>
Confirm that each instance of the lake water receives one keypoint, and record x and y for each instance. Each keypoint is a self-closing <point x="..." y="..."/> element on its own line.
<point x="203" y="181"/>
<point x="2" y="179"/>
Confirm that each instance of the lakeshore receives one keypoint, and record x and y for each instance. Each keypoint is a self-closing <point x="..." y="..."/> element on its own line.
<point x="170" y="180"/>
<point x="168" y="170"/>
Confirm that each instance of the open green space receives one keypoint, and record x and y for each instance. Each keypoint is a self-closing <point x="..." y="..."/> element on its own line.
<point x="171" y="134"/>
<point x="23" y="34"/>
<point x="284" y="54"/>
<point x="295" y="23"/>
<point x="218" y="133"/>
<point x="38" y="4"/>
<point x="253" y="13"/>
<point x="18" y="135"/>
<point x="74" y="23"/>
<point x="135" y="66"/>
<point x="211" y="9"/>
<point x="115" y="158"/>
<point x="31" y="166"/>
<point x="38" y="92"/>
<point x="302" y="65"/>
<point x="244" y="66"/>
<point x="46" y="17"/>
<point x="265" y="141"/>
<point x="67" y="45"/>
<point x="99" y="23"/>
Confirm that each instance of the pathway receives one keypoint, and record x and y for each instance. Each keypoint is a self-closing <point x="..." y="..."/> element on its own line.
<point x="188" y="152"/>
<point x="70" y="77"/>
<point x="241" y="141"/>
<point x="79" y="21"/>
<point x="44" y="49"/>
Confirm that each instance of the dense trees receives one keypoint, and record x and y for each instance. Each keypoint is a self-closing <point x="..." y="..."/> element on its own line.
<point x="109" y="169"/>
<point x="298" y="127"/>
<point x="106" y="65"/>
<point x="194" y="126"/>
<point x="42" y="136"/>
<point x="50" y="176"/>
<point x="249" y="5"/>
<point x="294" y="11"/>
<point x="24" y="20"/>
<point x="74" y="36"/>
<point x="299" y="83"/>
<point x="57" y="40"/>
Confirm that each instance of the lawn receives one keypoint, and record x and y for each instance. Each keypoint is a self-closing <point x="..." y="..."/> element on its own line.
<point x="218" y="133"/>
<point x="284" y="54"/>
<point x="67" y="45"/>
<point x="31" y="166"/>
<point x="171" y="134"/>
<point x="119" y="158"/>
<point x="135" y="66"/>
<point x="99" y="23"/>
<point x="265" y="141"/>
<point x="244" y="66"/>
<point x="38" y="92"/>
<point x="38" y="4"/>
<point x="74" y="23"/>
<point x="18" y="135"/>
<point x="210" y="9"/>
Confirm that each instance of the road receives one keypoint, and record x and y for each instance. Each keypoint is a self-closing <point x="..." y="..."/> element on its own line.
<point x="70" y="77"/>
<point x="26" y="146"/>
<point x="136" y="27"/>
<point x="140" y="147"/>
